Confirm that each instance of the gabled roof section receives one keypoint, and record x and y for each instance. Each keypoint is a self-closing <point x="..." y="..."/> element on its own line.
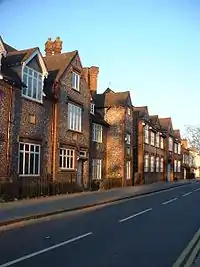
<point x="177" y="134"/>
<point x="111" y="99"/>
<point x="143" y="111"/>
<point x="6" y="47"/>
<point x="166" y="123"/>
<point x="57" y="64"/>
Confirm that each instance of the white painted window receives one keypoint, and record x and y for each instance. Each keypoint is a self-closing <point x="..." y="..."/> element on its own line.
<point x="157" y="139"/>
<point x="146" y="134"/>
<point x="161" y="164"/>
<point x="97" y="169"/>
<point x="146" y="163"/>
<point x="175" y="148"/>
<point x="129" y="111"/>
<point x="179" y="148"/>
<point x="175" y="165"/>
<point x="128" y="136"/>
<point x="34" y="82"/>
<point x="152" y="163"/>
<point x="152" y="138"/>
<point x="161" y="142"/>
<point x="74" y="117"/>
<point x="128" y="170"/>
<point x="179" y="166"/>
<point x="29" y="159"/>
<point x="170" y="140"/>
<point x="97" y="133"/>
<point x="92" y="108"/>
<point x="67" y="159"/>
<point x="157" y="164"/>
<point x="75" y="81"/>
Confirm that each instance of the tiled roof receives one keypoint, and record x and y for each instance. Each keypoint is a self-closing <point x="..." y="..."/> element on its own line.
<point x="153" y="118"/>
<point x="143" y="110"/>
<point x="18" y="57"/>
<point x="111" y="99"/>
<point x="98" y="119"/>
<point x="177" y="134"/>
<point x="57" y="64"/>
<point x="164" y="122"/>
<point x="8" y="47"/>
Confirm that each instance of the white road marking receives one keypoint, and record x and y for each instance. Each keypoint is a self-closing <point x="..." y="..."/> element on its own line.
<point x="134" y="215"/>
<point x="164" y="203"/>
<point x="44" y="250"/>
<point x="187" y="194"/>
<point x="197" y="189"/>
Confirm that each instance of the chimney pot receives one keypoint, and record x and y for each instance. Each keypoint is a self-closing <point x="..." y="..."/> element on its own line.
<point x="57" y="47"/>
<point x="49" y="47"/>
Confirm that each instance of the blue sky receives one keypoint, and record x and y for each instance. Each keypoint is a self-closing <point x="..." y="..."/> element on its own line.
<point x="151" y="48"/>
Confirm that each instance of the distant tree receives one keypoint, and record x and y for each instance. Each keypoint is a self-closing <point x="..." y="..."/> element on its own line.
<point x="193" y="135"/>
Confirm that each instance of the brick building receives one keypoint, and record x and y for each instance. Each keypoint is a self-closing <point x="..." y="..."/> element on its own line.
<point x="148" y="147"/>
<point x="178" y="157"/>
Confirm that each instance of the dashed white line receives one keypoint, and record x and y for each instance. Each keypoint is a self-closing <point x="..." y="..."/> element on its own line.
<point x="44" y="250"/>
<point x="134" y="215"/>
<point x="197" y="189"/>
<point x="187" y="194"/>
<point x="164" y="203"/>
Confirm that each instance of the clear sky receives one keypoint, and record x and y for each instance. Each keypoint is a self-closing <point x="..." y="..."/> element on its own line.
<point x="151" y="48"/>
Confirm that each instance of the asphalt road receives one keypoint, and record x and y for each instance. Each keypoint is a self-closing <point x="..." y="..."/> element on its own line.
<point x="148" y="231"/>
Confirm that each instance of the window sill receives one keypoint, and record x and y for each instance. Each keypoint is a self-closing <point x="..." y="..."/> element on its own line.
<point x="98" y="142"/>
<point x="76" y="90"/>
<point x="74" y="131"/>
<point x="67" y="170"/>
<point x="29" y="175"/>
<point x="33" y="99"/>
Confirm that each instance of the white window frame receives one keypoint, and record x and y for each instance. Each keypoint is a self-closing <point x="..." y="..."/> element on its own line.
<point x="146" y="134"/>
<point x="152" y="163"/>
<point x="175" y="148"/>
<point x="152" y="135"/>
<point x="129" y="111"/>
<point x="29" y="78"/>
<point x="74" y="117"/>
<point x="161" y="142"/>
<point x="128" y="170"/>
<point x="170" y="144"/>
<point x="157" y="164"/>
<point x="30" y="152"/>
<point x="128" y="136"/>
<point x="75" y="81"/>
<point x="146" y="162"/>
<point x="66" y="159"/>
<point x="161" y="164"/>
<point x="96" y="169"/>
<point x="175" y="165"/>
<point x="179" y="166"/>
<point x="92" y="105"/>
<point x="157" y="139"/>
<point x="179" y="148"/>
<point x="97" y="132"/>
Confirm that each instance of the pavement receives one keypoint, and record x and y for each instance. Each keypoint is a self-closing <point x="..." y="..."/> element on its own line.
<point x="17" y="211"/>
<point x="147" y="231"/>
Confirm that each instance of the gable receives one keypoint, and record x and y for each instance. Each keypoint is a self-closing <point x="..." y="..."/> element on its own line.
<point x="34" y="64"/>
<point x="2" y="48"/>
<point x="129" y="102"/>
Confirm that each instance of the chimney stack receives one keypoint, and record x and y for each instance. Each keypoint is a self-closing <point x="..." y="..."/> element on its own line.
<point x="91" y="75"/>
<point x="57" y="46"/>
<point x="49" y="47"/>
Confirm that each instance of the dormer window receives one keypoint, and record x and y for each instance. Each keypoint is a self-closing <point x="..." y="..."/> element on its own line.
<point x="75" y="81"/>
<point x="34" y="82"/>
<point x="92" y="108"/>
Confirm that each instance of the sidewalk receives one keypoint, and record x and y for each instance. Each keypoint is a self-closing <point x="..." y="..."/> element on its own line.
<point x="22" y="210"/>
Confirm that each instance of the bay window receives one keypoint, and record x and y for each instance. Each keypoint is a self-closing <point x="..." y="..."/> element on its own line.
<point x="170" y="145"/>
<point x="157" y="139"/>
<point x="152" y="138"/>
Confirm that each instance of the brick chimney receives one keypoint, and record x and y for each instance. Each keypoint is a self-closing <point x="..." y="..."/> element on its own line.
<point x="184" y="142"/>
<point x="49" y="47"/>
<point x="91" y="75"/>
<point x="57" y="46"/>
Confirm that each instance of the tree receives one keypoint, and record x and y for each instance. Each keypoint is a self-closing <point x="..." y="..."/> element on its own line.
<point x="193" y="135"/>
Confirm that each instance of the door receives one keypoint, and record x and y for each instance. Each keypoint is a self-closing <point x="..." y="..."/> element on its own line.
<point x="168" y="172"/>
<point x="80" y="173"/>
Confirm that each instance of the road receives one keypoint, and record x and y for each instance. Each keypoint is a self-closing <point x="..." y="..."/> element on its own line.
<point x="143" y="232"/>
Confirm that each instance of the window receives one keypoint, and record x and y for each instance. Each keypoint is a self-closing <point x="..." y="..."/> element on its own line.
<point x="74" y="117"/>
<point x="179" y="166"/>
<point x="157" y="139"/>
<point x="92" y="108"/>
<point x="170" y="144"/>
<point x="67" y="158"/>
<point x="157" y="164"/>
<point x="146" y="163"/>
<point x="152" y="163"/>
<point x="175" y="165"/>
<point x="146" y="134"/>
<point x="96" y="169"/>
<point x="34" y="82"/>
<point x="161" y="164"/>
<point x="75" y="81"/>
<point x="175" y="148"/>
<point x="129" y="111"/>
<point x="97" y="133"/>
<point x="29" y="159"/>
<point x="128" y="150"/>
<point x="128" y="136"/>
<point x="161" y="142"/>
<point x="179" y="148"/>
<point x="152" y="138"/>
<point x="128" y="170"/>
